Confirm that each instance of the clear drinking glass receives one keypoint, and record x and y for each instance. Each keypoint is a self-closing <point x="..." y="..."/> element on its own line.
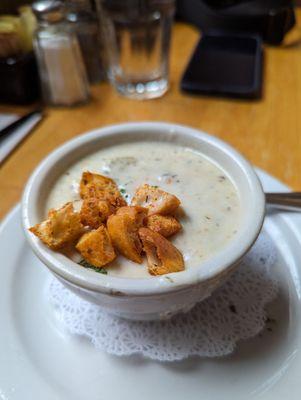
<point x="137" y="36"/>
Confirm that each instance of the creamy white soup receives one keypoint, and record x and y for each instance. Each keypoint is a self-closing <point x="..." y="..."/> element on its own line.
<point x="210" y="206"/>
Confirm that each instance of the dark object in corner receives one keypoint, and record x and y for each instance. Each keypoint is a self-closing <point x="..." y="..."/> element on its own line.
<point x="225" y="64"/>
<point x="19" y="81"/>
<point x="271" y="19"/>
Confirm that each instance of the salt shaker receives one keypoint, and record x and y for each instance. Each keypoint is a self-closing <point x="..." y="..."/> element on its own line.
<point x="61" y="68"/>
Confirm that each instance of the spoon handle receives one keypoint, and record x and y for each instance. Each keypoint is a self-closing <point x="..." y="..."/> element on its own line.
<point x="290" y="201"/>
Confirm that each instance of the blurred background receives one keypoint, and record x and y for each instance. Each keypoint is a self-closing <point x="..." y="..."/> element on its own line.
<point x="228" y="67"/>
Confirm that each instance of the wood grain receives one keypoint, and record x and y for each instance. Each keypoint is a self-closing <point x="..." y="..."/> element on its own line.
<point x="267" y="131"/>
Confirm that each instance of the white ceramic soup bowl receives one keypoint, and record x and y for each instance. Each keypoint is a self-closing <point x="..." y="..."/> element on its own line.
<point x="154" y="297"/>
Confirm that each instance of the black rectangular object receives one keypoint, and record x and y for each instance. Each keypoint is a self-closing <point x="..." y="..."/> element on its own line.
<point x="229" y="65"/>
<point x="270" y="19"/>
<point x="19" y="79"/>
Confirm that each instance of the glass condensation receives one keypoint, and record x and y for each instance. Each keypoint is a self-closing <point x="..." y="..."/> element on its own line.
<point x="137" y="35"/>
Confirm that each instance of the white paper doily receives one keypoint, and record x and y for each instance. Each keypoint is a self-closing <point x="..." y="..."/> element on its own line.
<point x="211" y="329"/>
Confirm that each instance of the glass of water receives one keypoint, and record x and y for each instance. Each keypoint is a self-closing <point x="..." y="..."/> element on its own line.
<point x="137" y="36"/>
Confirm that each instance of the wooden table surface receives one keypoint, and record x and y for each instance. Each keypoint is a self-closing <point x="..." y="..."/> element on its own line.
<point x="266" y="131"/>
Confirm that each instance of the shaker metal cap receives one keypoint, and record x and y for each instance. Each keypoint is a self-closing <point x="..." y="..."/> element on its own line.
<point x="48" y="10"/>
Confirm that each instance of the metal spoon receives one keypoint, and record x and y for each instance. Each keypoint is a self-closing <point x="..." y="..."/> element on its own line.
<point x="290" y="201"/>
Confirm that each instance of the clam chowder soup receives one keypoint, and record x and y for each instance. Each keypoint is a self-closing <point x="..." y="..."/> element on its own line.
<point x="210" y="206"/>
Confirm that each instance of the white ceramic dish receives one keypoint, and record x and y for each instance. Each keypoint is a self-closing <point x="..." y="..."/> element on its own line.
<point x="40" y="360"/>
<point x="157" y="297"/>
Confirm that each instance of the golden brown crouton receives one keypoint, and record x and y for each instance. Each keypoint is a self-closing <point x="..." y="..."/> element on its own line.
<point x="61" y="228"/>
<point x="102" y="188"/>
<point x="166" y="225"/>
<point x="162" y="256"/>
<point x="123" y="229"/>
<point x="106" y="209"/>
<point x="96" y="247"/>
<point x="95" y="212"/>
<point x="156" y="200"/>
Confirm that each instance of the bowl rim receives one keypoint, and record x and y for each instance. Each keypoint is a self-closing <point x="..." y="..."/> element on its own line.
<point x="89" y="280"/>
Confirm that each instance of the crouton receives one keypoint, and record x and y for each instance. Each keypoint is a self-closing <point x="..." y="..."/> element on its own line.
<point x="166" y="225"/>
<point x="95" y="212"/>
<point x="96" y="247"/>
<point x="162" y="256"/>
<point x="156" y="200"/>
<point x="123" y="230"/>
<point x="62" y="227"/>
<point x="102" y="188"/>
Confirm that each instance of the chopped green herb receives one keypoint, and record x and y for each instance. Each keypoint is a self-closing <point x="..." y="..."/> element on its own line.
<point x="233" y="308"/>
<point x="122" y="191"/>
<point x="86" y="264"/>
<point x="271" y="320"/>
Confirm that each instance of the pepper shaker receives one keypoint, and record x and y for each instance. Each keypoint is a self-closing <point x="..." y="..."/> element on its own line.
<point x="86" y="26"/>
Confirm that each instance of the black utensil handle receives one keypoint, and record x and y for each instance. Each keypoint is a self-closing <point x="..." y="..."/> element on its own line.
<point x="20" y="121"/>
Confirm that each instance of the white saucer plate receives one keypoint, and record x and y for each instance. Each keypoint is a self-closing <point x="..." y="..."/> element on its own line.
<point x="40" y="360"/>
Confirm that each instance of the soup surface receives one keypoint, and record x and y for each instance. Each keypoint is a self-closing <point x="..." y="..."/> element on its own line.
<point x="210" y="206"/>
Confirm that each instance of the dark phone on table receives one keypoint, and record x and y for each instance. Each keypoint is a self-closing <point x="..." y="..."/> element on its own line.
<point x="227" y="65"/>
